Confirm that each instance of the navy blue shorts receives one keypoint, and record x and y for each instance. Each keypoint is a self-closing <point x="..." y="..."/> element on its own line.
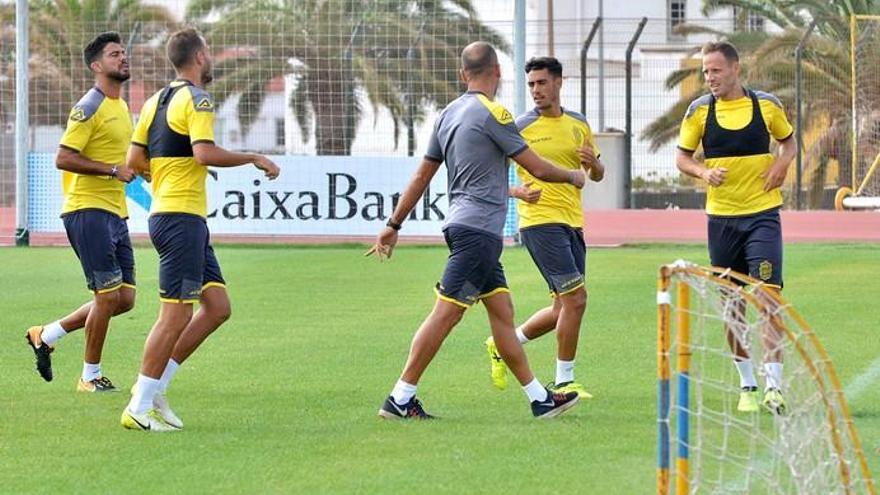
<point x="187" y="264"/>
<point x="101" y="242"/>
<point x="750" y="244"/>
<point x="473" y="270"/>
<point x="560" y="254"/>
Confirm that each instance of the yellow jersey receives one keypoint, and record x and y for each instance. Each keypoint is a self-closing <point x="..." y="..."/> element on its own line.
<point x="98" y="128"/>
<point x="735" y="134"/>
<point x="556" y="139"/>
<point x="171" y="122"/>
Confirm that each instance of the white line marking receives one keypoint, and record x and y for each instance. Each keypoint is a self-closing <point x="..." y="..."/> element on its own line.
<point x="863" y="381"/>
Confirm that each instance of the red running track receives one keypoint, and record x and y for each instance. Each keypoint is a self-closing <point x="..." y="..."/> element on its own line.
<point x="614" y="227"/>
<point x="603" y="228"/>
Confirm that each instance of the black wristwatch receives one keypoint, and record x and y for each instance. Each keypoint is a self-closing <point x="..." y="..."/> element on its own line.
<point x="394" y="225"/>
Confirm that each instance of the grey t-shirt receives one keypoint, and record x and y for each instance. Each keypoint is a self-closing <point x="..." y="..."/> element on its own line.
<point x="475" y="136"/>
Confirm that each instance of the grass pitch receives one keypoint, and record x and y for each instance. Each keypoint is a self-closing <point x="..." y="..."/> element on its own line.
<point x="283" y="398"/>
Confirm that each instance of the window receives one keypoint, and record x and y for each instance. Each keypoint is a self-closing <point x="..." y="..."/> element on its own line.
<point x="749" y="22"/>
<point x="279" y="132"/>
<point x="677" y="15"/>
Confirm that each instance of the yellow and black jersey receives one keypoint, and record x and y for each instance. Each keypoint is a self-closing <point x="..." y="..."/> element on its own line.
<point x="556" y="139"/>
<point x="735" y="134"/>
<point x="171" y="122"/>
<point x="99" y="128"/>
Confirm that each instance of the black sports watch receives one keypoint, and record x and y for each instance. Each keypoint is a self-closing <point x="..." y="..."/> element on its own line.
<point x="394" y="225"/>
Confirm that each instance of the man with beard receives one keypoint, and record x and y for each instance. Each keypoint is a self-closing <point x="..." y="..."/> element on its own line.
<point x="551" y="220"/>
<point x="91" y="156"/>
<point x="173" y="144"/>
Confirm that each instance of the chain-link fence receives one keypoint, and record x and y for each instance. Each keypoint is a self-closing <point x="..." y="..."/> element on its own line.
<point x="368" y="78"/>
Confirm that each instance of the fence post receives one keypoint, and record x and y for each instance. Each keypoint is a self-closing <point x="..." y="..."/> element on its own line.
<point x="584" y="49"/>
<point x="627" y="158"/>
<point x="799" y="82"/>
<point x="22" y="235"/>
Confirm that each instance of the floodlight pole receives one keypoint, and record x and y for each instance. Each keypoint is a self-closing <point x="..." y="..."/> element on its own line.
<point x="519" y="57"/>
<point x="519" y="102"/>
<point x="601" y="78"/>
<point x="22" y="235"/>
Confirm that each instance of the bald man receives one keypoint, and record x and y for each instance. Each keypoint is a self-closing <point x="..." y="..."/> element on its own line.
<point x="474" y="136"/>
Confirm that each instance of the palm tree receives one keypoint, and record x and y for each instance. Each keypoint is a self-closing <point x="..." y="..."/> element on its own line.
<point x="338" y="50"/>
<point x="768" y="64"/>
<point x="58" y="31"/>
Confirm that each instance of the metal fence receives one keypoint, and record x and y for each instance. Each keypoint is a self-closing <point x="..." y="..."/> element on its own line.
<point x="341" y="80"/>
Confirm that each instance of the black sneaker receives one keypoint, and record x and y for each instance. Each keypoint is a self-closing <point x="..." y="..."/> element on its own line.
<point x="411" y="410"/>
<point x="42" y="352"/>
<point x="554" y="405"/>
<point x="100" y="384"/>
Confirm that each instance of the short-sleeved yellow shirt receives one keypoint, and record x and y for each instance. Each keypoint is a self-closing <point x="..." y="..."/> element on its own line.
<point x="99" y="128"/>
<point x="187" y="118"/>
<point x="742" y="192"/>
<point x="556" y="139"/>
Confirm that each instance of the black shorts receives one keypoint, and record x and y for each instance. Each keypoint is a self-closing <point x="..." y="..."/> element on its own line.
<point x="101" y="242"/>
<point x="750" y="244"/>
<point x="187" y="264"/>
<point x="473" y="270"/>
<point x="560" y="254"/>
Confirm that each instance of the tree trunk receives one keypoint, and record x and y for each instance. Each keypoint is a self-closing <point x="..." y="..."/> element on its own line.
<point x="332" y="99"/>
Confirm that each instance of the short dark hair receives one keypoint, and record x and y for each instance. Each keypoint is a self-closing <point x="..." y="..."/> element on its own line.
<point x="726" y="48"/>
<point x="540" y="63"/>
<point x="93" y="50"/>
<point x="183" y="45"/>
<point x="478" y="58"/>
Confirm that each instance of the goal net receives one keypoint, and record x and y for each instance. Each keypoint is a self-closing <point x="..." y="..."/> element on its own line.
<point x="705" y="444"/>
<point x="865" y="65"/>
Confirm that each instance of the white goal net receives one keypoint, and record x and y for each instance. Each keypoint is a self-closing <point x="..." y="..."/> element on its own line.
<point x="705" y="443"/>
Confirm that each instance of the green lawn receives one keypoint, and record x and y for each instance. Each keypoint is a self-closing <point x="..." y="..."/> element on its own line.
<point x="283" y="398"/>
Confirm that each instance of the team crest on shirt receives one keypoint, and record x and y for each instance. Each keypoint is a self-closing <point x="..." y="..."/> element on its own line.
<point x="205" y="104"/>
<point x="765" y="270"/>
<point x="78" y="114"/>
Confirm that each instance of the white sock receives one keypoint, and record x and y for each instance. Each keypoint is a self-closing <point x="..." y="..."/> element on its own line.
<point x="746" y="373"/>
<point x="142" y="398"/>
<point x="774" y="376"/>
<point x="91" y="371"/>
<point x="564" y="371"/>
<point x="167" y="375"/>
<point x="521" y="336"/>
<point x="52" y="333"/>
<point x="403" y="392"/>
<point x="535" y="390"/>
